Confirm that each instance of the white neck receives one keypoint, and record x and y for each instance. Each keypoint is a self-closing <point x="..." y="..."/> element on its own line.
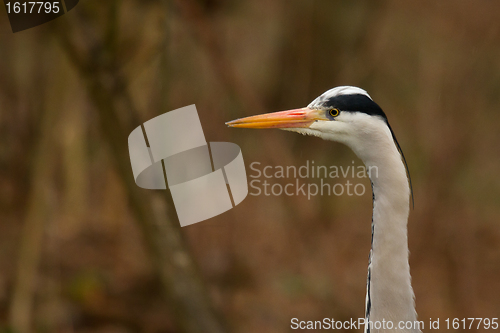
<point x="389" y="293"/>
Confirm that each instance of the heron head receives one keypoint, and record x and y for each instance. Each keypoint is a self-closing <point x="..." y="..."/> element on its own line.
<point x="345" y="114"/>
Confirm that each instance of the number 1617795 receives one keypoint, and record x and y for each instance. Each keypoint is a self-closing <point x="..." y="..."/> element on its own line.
<point x="472" y="323"/>
<point x="32" y="7"/>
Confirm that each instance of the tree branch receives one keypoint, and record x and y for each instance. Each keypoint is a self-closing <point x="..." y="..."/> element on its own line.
<point x="154" y="213"/>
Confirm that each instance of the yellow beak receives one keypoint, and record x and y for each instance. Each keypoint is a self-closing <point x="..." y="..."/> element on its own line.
<point x="296" y="118"/>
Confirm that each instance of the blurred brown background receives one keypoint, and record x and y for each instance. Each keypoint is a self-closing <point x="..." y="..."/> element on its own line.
<point x="82" y="249"/>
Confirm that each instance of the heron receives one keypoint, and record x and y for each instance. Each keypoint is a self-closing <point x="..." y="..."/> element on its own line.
<point x="348" y="115"/>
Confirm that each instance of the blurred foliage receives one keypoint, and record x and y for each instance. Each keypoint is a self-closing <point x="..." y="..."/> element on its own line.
<point x="434" y="67"/>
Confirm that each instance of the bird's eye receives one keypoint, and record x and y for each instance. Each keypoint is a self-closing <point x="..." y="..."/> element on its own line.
<point x="334" y="112"/>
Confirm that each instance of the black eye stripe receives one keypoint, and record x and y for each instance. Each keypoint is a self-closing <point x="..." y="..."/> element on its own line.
<point x="354" y="102"/>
